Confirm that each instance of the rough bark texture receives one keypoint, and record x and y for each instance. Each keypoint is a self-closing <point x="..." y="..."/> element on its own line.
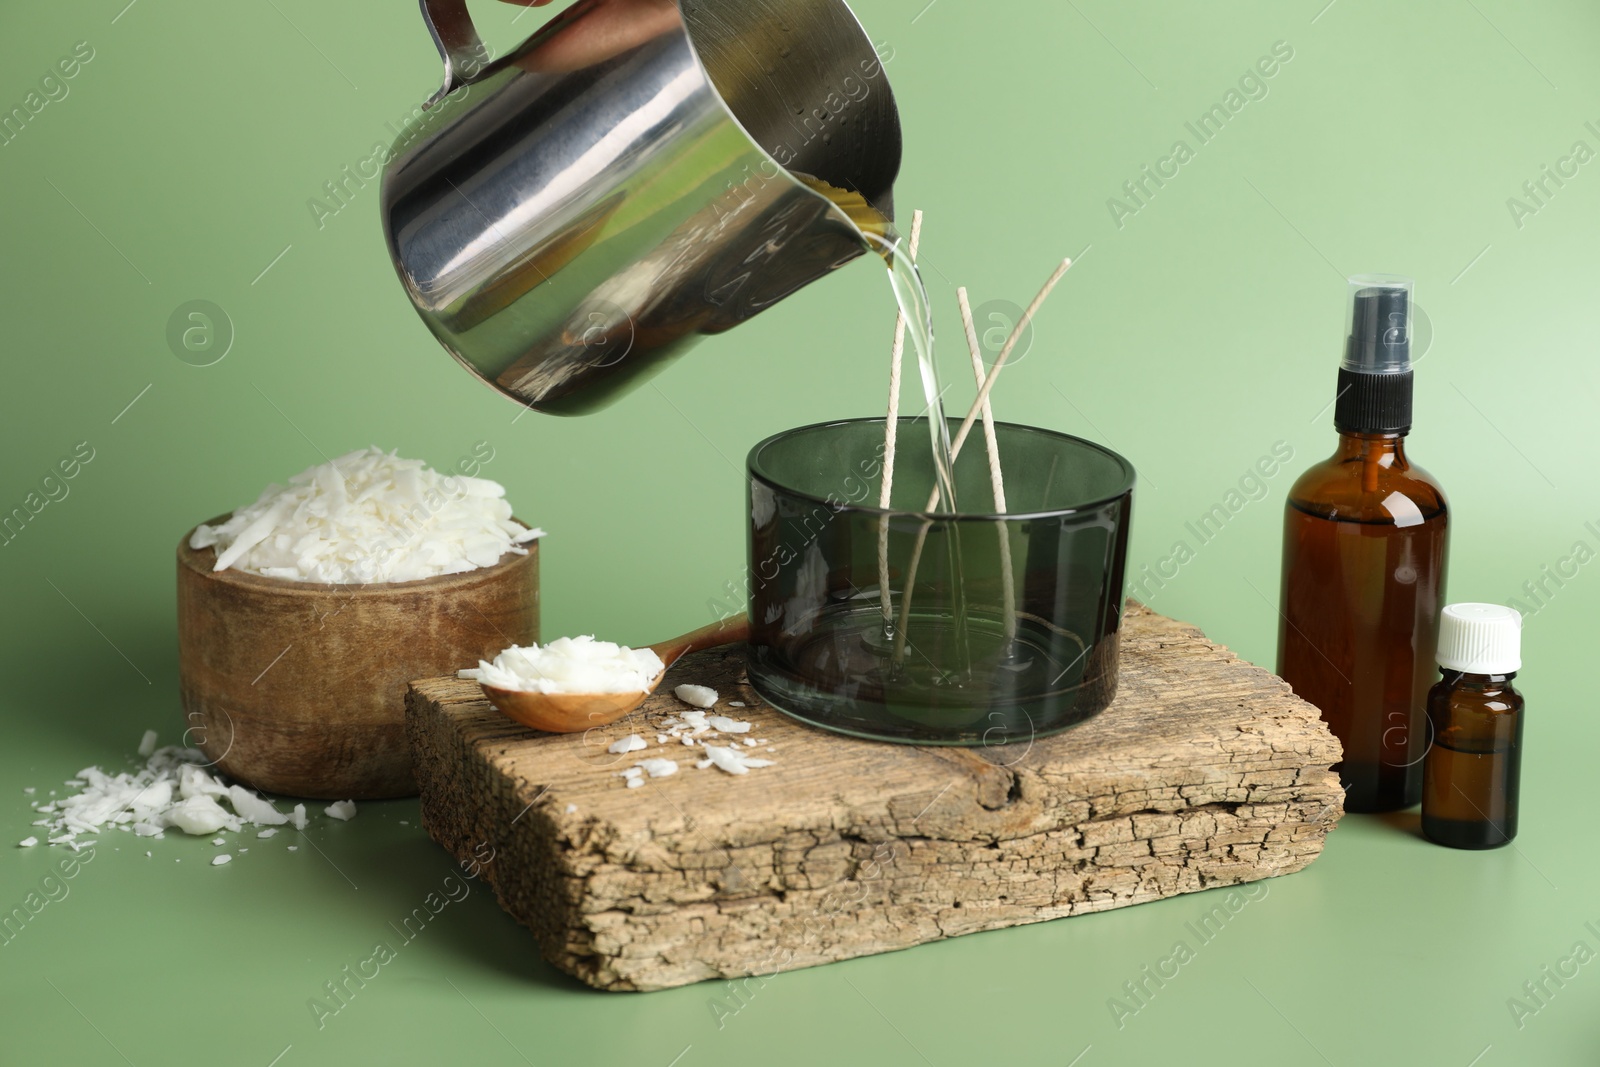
<point x="1205" y="771"/>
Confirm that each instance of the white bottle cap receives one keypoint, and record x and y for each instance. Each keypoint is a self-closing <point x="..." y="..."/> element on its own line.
<point x="1480" y="639"/>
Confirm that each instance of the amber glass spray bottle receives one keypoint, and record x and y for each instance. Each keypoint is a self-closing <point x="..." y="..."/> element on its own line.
<point x="1364" y="564"/>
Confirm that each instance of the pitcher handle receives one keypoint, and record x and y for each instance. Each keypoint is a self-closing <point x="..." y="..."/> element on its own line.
<point x="450" y="26"/>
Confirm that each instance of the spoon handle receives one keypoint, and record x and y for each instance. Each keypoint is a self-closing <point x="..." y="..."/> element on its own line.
<point x="732" y="630"/>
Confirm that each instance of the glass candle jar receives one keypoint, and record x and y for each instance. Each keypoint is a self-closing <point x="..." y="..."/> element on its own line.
<point x="965" y="628"/>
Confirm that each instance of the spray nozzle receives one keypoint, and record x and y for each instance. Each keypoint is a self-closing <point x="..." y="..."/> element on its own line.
<point x="1380" y="324"/>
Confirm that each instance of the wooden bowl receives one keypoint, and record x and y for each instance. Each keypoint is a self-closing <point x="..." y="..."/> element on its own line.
<point x="299" y="688"/>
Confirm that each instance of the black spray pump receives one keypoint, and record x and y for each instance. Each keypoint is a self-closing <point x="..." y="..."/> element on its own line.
<point x="1375" y="378"/>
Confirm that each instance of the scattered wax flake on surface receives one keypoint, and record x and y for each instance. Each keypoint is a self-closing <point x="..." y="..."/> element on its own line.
<point x="254" y="809"/>
<point x="726" y="725"/>
<point x="343" y="810"/>
<point x="27" y="842"/>
<point x="195" y="782"/>
<point x="658" y="768"/>
<point x="635" y="783"/>
<point x="147" y="744"/>
<point x="219" y="841"/>
<point x="267" y="832"/>
<point x="569" y="665"/>
<point x="736" y="703"/>
<point x="733" y="760"/>
<point x="299" y="817"/>
<point x="29" y="790"/>
<point x="294" y="848"/>
<point x="630" y="773"/>
<point x="631" y="743"/>
<point x="368" y="516"/>
<point x="218" y="861"/>
<point x="748" y="743"/>
<point x="571" y="808"/>
<point x="198" y="815"/>
<point x="698" y="695"/>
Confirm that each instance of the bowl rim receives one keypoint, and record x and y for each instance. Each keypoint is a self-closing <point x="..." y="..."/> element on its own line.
<point x="199" y="560"/>
<point x="1129" y="476"/>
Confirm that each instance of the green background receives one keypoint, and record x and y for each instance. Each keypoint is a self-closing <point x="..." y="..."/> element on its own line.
<point x="1193" y="338"/>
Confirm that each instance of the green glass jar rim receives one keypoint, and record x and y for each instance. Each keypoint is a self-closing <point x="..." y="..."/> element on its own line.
<point x="1125" y="486"/>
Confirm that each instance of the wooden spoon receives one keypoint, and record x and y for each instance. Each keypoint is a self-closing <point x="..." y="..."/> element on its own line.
<point x="571" y="713"/>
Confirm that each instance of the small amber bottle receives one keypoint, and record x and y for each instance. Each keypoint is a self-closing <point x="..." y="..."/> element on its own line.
<point x="1474" y="765"/>
<point x="1364" y="543"/>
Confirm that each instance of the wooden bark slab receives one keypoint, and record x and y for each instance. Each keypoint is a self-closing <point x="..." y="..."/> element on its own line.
<point x="1205" y="771"/>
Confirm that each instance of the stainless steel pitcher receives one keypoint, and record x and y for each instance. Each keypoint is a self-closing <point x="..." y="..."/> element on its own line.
<point x="572" y="215"/>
